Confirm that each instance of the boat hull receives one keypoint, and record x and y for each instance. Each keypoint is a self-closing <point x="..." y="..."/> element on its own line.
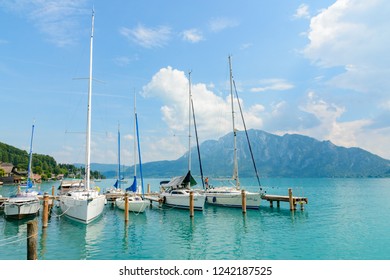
<point x="232" y="199"/>
<point x="137" y="206"/>
<point x="81" y="207"/>
<point x="21" y="207"/>
<point x="183" y="201"/>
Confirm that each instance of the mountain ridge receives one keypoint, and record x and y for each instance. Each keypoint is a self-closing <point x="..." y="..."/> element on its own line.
<point x="290" y="155"/>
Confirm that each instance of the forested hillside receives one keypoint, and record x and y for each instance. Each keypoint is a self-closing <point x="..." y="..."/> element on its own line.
<point x="44" y="165"/>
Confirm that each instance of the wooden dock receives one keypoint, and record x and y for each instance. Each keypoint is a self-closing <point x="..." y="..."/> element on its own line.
<point x="292" y="200"/>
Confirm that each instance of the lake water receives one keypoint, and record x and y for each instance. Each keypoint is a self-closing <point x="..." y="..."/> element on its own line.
<point x="346" y="219"/>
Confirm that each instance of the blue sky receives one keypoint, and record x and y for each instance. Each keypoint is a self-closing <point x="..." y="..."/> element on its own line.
<point x="317" y="68"/>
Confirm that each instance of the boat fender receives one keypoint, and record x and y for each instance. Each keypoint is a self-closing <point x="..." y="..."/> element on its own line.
<point x="214" y="199"/>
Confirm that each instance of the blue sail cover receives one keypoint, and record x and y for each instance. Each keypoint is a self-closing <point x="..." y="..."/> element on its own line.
<point x="29" y="183"/>
<point x="116" y="184"/>
<point x="133" y="187"/>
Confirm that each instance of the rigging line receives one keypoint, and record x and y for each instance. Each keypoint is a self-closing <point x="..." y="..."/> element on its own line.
<point x="246" y="133"/>
<point x="139" y="156"/>
<point x="197" y="143"/>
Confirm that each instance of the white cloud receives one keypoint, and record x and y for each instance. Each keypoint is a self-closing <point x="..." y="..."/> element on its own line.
<point x="213" y="112"/>
<point x="192" y="35"/>
<point x="302" y="11"/>
<point x="58" y="20"/>
<point x="147" y="37"/>
<point x="330" y="127"/>
<point x="350" y="33"/>
<point x="219" y="24"/>
<point x="272" y="84"/>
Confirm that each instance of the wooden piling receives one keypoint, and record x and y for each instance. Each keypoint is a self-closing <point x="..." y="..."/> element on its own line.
<point x="243" y="201"/>
<point x="45" y="216"/>
<point x="291" y="200"/>
<point x="32" y="237"/>
<point x="191" y="204"/>
<point x="52" y="190"/>
<point x="148" y="189"/>
<point x="18" y="189"/>
<point x="126" y="207"/>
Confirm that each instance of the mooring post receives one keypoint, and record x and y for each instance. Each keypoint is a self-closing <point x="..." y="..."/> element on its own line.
<point x="45" y="216"/>
<point x="126" y="207"/>
<point x="291" y="200"/>
<point x="191" y="204"/>
<point x="52" y="191"/>
<point x="148" y="189"/>
<point x="243" y="201"/>
<point x="32" y="237"/>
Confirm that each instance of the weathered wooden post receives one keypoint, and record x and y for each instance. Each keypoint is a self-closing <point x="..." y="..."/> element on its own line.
<point x="148" y="192"/>
<point x="45" y="216"/>
<point x="52" y="190"/>
<point x="126" y="207"/>
<point x="291" y="200"/>
<point x="32" y="237"/>
<point x="243" y="201"/>
<point x="18" y="189"/>
<point x="191" y="204"/>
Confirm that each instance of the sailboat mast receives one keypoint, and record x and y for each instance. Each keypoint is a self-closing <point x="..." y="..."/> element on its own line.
<point x="235" y="161"/>
<point x="138" y="144"/>
<point x="88" y="145"/>
<point x="30" y="159"/>
<point x="119" y="157"/>
<point x="135" y="137"/>
<point x="189" y="120"/>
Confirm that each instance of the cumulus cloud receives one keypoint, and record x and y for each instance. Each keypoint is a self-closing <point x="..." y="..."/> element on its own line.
<point x="330" y="127"/>
<point x="212" y="111"/>
<point x="349" y="34"/>
<point x="147" y="37"/>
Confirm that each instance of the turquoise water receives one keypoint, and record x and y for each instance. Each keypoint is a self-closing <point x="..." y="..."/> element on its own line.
<point x="346" y="219"/>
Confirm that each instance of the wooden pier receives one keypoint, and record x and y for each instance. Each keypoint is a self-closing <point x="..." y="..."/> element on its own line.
<point x="292" y="200"/>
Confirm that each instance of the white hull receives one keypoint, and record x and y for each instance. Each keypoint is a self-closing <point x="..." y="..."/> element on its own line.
<point x="183" y="200"/>
<point x="21" y="206"/>
<point x="232" y="198"/>
<point x="136" y="204"/>
<point x="82" y="206"/>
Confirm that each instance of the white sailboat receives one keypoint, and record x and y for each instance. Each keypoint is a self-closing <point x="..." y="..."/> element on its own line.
<point x="226" y="195"/>
<point x="86" y="204"/>
<point x="136" y="203"/>
<point x="176" y="192"/>
<point x="26" y="203"/>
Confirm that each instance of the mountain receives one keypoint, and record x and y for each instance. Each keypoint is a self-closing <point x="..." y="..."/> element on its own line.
<point x="290" y="155"/>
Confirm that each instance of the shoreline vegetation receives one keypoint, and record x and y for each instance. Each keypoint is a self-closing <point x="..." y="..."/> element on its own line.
<point x="14" y="165"/>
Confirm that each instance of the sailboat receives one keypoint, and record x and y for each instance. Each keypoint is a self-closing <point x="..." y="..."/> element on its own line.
<point x="26" y="203"/>
<point x="226" y="195"/>
<point x="136" y="203"/>
<point x="85" y="204"/>
<point x="116" y="191"/>
<point x="176" y="192"/>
